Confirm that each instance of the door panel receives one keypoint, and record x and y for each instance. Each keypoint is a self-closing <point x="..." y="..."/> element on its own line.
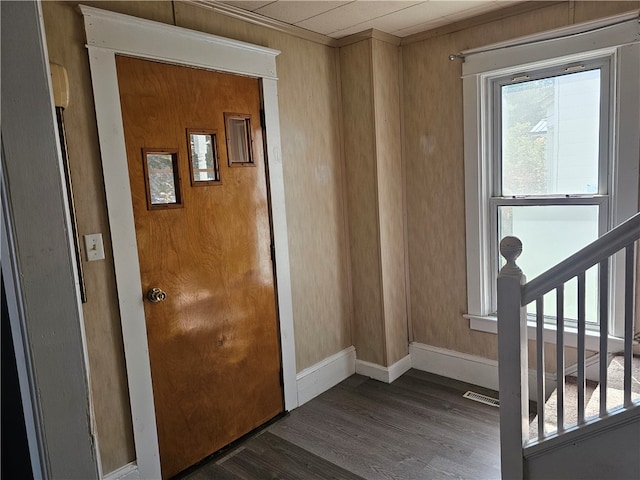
<point x="213" y="343"/>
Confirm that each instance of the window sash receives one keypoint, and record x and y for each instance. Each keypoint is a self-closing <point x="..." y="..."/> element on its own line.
<point x="494" y="113"/>
<point x="493" y="141"/>
<point x="601" y="201"/>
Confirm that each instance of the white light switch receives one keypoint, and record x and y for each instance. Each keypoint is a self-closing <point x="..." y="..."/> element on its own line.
<point x="93" y="247"/>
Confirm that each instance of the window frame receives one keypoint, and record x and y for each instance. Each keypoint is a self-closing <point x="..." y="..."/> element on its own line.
<point x="177" y="180"/>
<point x="248" y="137"/>
<point x="614" y="44"/>
<point x="214" y="152"/>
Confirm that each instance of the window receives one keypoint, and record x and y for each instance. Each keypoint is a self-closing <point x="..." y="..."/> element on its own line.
<point x="548" y="157"/>
<point x="203" y="157"/>
<point x="238" y="132"/>
<point x="550" y="181"/>
<point x="162" y="181"/>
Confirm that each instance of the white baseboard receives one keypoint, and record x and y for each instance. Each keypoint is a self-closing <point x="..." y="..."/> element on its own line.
<point x="383" y="374"/>
<point x="318" y="378"/>
<point x="459" y="366"/>
<point x="128" y="472"/>
<point x="467" y="368"/>
<point x="399" y="368"/>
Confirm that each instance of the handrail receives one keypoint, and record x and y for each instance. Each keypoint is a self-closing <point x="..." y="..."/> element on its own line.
<point x="619" y="237"/>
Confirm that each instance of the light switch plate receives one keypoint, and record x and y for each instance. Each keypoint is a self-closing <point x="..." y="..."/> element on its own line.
<point x="94" y="249"/>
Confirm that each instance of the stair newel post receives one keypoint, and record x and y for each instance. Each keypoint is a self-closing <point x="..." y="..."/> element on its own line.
<point x="512" y="361"/>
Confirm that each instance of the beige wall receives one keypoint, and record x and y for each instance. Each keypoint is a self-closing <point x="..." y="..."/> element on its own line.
<point x="311" y="152"/>
<point x="371" y="111"/>
<point x="362" y="199"/>
<point x="386" y="97"/>
<point x="433" y="156"/>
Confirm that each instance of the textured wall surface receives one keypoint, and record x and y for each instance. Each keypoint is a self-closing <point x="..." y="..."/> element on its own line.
<point x="371" y="108"/>
<point x="362" y="200"/>
<point x="386" y="97"/>
<point x="311" y="151"/>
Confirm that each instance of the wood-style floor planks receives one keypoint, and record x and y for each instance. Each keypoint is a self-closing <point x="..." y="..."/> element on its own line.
<point x="404" y="437"/>
<point x="418" y="427"/>
<point x="279" y="458"/>
<point x="404" y="407"/>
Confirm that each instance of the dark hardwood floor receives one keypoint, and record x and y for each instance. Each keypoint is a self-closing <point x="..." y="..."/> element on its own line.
<point x="418" y="427"/>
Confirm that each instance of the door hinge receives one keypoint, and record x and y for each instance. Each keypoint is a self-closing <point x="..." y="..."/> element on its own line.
<point x="262" y="118"/>
<point x="273" y="252"/>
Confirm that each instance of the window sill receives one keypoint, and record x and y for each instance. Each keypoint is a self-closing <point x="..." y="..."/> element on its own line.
<point x="489" y="324"/>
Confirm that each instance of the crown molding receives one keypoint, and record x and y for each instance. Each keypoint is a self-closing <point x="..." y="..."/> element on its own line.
<point x="261" y="20"/>
<point x="371" y="33"/>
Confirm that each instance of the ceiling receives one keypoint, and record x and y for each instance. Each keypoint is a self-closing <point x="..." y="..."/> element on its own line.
<point x="337" y="19"/>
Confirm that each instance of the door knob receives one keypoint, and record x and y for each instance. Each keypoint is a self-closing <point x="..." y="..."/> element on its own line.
<point x="155" y="295"/>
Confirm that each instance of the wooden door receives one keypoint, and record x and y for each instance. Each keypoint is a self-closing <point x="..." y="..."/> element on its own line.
<point x="204" y="238"/>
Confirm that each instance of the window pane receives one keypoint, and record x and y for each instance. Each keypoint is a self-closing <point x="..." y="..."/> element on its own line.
<point x="550" y="135"/>
<point x="162" y="178"/>
<point x="238" y="131"/>
<point x="550" y="234"/>
<point x="204" y="161"/>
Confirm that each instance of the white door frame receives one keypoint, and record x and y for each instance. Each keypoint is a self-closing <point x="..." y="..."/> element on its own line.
<point x="109" y="34"/>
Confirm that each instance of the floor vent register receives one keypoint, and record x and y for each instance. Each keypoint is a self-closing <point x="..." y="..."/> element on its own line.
<point x="478" y="397"/>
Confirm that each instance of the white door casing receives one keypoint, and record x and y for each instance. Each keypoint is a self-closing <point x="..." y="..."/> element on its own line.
<point x="109" y="34"/>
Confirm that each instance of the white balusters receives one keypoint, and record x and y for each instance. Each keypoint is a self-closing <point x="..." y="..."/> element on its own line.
<point x="604" y="333"/>
<point x="560" y="356"/>
<point x="630" y="260"/>
<point x="581" y="351"/>
<point x="541" y="398"/>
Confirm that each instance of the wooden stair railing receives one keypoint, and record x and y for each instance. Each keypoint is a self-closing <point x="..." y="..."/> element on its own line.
<point x="514" y="294"/>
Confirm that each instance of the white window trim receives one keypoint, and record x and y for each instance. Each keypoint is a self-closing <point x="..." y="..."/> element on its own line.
<point x="619" y="40"/>
<point x="489" y="324"/>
